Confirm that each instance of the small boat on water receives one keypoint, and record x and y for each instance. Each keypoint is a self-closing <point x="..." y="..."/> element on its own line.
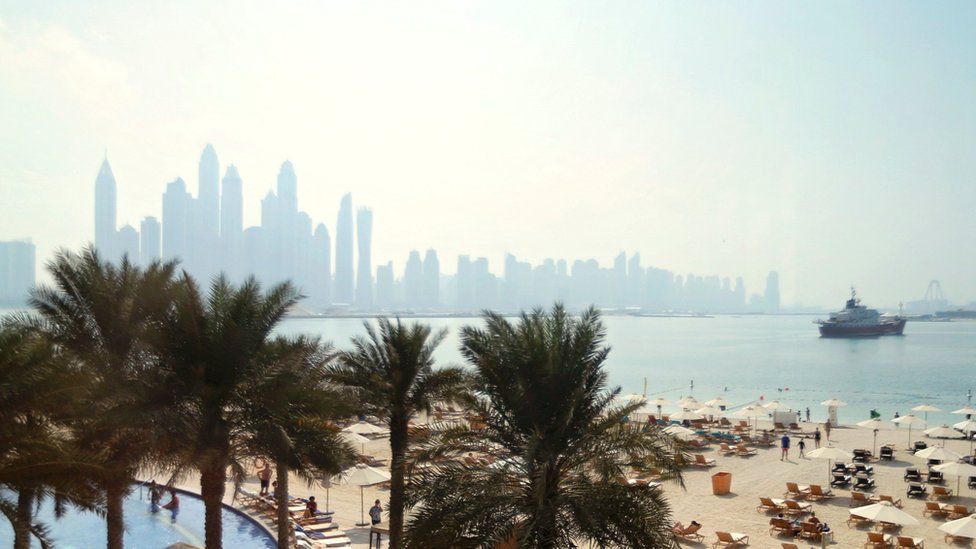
<point x="856" y="320"/>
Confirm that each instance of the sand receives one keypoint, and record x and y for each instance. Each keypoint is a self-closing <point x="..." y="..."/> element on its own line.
<point x="760" y="475"/>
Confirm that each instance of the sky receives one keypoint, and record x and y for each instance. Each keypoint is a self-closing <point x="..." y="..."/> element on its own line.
<point x="830" y="141"/>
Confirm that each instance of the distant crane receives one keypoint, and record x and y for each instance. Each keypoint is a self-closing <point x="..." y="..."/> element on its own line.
<point x="934" y="292"/>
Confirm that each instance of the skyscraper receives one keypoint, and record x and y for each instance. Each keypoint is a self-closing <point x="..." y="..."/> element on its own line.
<point x="208" y="193"/>
<point x="128" y="243"/>
<point x="17" y="271"/>
<point x="322" y="292"/>
<point x="150" y="234"/>
<point x="288" y="237"/>
<point x="413" y="280"/>
<point x="232" y="222"/>
<point x="432" y="279"/>
<point x="465" y="284"/>
<point x="771" y="297"/>
<point x="364" y="271"/>
<point x="105" y="212"/>
<point x="288" y="188"/>
<point x="343" y="286"/>
<point x="176" y="206"/>
<point x="385" y="294"/>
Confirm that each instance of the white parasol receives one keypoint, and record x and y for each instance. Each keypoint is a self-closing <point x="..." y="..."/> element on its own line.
<point x="832" y="454"/>
<point x="685" y="415"/>
<point x="775" y="405"/>
<point x="909" y="419"/>
<point x="365" y="428"/>
<point x="873" y="423"/>
<point x="716" y="402"/>
<point x="833" y="403"/>
<point x="362" y="475"/>
<point x="884" y="511"/>
<point x="956" y="469"/>
<point x="943" y="432"/>
<point x="938" y="453"/>
<point x="961" y="528"/>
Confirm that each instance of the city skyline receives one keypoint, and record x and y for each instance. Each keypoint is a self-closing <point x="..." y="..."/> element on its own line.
<point x="206" y="235"/>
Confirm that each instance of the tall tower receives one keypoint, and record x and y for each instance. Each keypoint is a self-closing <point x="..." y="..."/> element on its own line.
<point x="288" y="187"/>
<point x="176" y="209"/>
<point x="343" y="252"/>
<point x="150" y="234"/>
<point x="413" y="280"/>
<point x="322" y="292"/>
<point x="232" y="222"/>
<point x="772" y="292"/>
<point x="208" y="193"/>
<point x="432" y="279"/>
<point x="128" y="243"/>
<point x="105" y="213"/>
<point x="288" y="223"/>
<point x="364" y="271"/>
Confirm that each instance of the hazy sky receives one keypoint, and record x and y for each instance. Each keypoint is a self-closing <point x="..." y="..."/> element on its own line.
<point x="832" y="141"/>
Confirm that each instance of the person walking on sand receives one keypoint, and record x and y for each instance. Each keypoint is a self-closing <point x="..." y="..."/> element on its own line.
<point x="801" y="445"/>
<point x="785" y="445"/>
<point x="264" y="475"/>
<point x="816" y="437"/>
<point x="827" y="430"/>
<point x="376" y="513"/>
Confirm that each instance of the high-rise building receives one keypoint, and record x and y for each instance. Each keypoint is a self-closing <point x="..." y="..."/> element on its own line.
<point x="485" y="284"/>
<point x="465" y="284"/>
<point x="150" y="233"/>
<point x="208" y="194"/>
<point x="128" y="243"/>
<point x="17" y="270"/>
<point x="432" y="279"/>
<point x="289" y="230"/>
<point x="635" y="282"/>
<point x="413" y="280"/>
<point x="343" y="286"/>
<point x="771" y="297"/>
<point x="176" y="209"/>
<point x="232" y="222"/>
<point x="364" y="271"/>
<point x="288" y="188"/>
<point x="385" y="292"/>
<point x="321" y="294"/>
<point x="105" y="212"/>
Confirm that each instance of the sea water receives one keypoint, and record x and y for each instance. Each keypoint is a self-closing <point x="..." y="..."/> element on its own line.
<point x="747" y="358"/>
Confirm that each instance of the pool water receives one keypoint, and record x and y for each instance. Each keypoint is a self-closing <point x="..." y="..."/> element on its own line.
<point x="144" y="529"/>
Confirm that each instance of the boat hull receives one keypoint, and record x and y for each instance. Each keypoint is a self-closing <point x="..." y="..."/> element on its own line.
<point x="896" y="327"/>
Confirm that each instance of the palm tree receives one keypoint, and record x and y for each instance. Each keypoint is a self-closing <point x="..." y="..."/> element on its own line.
<point x="561" y="447"/>
<point x="216" y="354"/>
<point x="392" y="368"/>
<point x="290" y="418"/>
<point x="38" y="392"/>
<point x="101" y="315"/>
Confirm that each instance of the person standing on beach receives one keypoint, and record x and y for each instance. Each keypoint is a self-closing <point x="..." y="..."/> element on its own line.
<point x="808" y="414"/>
<point x="801" y="445"/>
<point x="785" y="445"/>
<point x="376" y="513"/>
<point x="827" y="429"/>
<point x="816" y="437"/>
<point x="264" y="475"/>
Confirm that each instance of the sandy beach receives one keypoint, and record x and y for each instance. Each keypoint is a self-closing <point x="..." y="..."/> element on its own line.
<point x="752" y="477"/>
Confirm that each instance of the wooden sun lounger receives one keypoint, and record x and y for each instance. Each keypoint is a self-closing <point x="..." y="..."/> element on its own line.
<point x="958" y="511"/>
<point x="941" y="492"/>
<point x="730" y="539"/>
<point x="690" y="533"/>
<point x="905" y="541"/>
<point x="878" y="540"/>
<point x="702" y="462"/>
<point x="935" y="509"/>
<point x="796" y="508"/>
<point x="796" y="491"/>
<point x="769" y="504"/>
<point x="817" y="493"/>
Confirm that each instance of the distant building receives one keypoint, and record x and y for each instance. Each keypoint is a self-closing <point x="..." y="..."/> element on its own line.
<point x="385" y="286"/>
<point x="206" y="217"/>
<point x="432" y="279"/>
<point x="465" y="284"/>
<point x="321" y="292"/>
<point x="413" y="281"/>
<point x="128" y="243"/>
<point x="17" y="271"/>
<point x="232" y="222"/>
<point x="105" y="212"/>
<point x="364" y="271"/>
<point x="343" y="285"/>
<point x="771" y="297"/>
<point x="176" y="206"/>
<point x="150" y="241"/>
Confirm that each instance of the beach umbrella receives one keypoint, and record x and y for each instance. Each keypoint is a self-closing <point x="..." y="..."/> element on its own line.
<point x="968" y="427"/>
<point x="960" y="528"/>
<point x="632" y="398"/>
<point x="659" y="403"/>
<point x="362" y="475"/>
<point x="716" y="402"/>
<point x="365" y="428"/>
<point x="926" y="408"/>
<point x="833" y="403"/>
<point x="327" y="484"/>
<point x="688" y="403"/>
<point x="956" y="469"/>
<point x="678" y="431"/>
<point x="943" y="432"/>
<point x="752" y="411"/>
<point x="967" y="410"/>
<point x="908" y="419"/>
<point x="832" y="454"/>
<point x="884" y="511"/>
<point x="709" y="411"/>
<point x="775" y="405"/>
<point x="873" y="423"/>
<point x="939" y="453"/>
<point x="354" y="438"/>
<point x="685" y="415"/>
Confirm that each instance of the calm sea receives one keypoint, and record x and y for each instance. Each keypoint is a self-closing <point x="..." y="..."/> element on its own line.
<point x="775" y="357"/>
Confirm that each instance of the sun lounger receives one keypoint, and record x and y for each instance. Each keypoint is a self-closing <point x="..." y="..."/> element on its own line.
<point x="863" y="482"/>
<point x="916" y="490"/>
<point x="855" y="520"/>
<point x="949" y="538"/>
<point x="778" y="427"/>
<point x="918" y="445"/>
<point x="742" y="451"/>
<point x="796" y="491"/>
<point x="958" y="512"/>
<point x="809" y="530"/>
<point x="840" y="480"/>
<point x="730" y="539"/>
<point x="972" y="482"/>
<point x="725" y="449"/>
<point x="891" y="500"/>
<point x="904" y="541"/>
<point x="941" y="492"/>
<point x="912" y="475"/>
<point x="690" y="532"/>
<point x="935" y="509"/>
<point x="878" y="540"/>
<point x="794" y="428"/>
<point x="861" y="455"/>
<point x="935" y="477"/>
<point x="859" y="499"/>
<point x="702" y="462"/>
<point x="862" y="468"/>
<point x="769" y="504"/>
<point x="817" y="493"/>
<point x="790" y="546"/>
<point x="781" y="526"/>
<point x="321" y="527"/>
<point x="794" y="507"/>
<point x="887" y="453"/>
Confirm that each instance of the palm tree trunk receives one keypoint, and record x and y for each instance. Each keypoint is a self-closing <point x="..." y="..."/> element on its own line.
<point x="114" y="515"/>
<point x="212" y="491"/>
<point x="398" y="450"/>
<point x="281" y="498"/>
<point x="25" y="514"/>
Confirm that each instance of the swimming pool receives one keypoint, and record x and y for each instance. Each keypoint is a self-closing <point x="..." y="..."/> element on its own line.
<point x="147" y="530"/>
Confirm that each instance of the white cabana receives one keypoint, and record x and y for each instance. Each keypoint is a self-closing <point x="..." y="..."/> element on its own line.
<point x="832" y="405"/>
<point x="362" y="475"/>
